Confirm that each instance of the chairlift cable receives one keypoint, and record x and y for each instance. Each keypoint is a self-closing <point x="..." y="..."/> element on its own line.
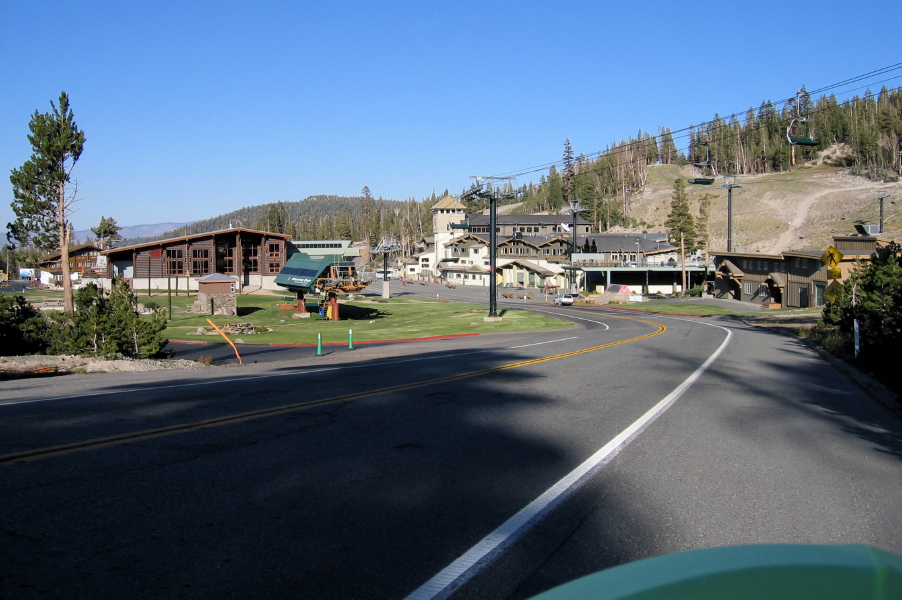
<point x="658" y="138"/>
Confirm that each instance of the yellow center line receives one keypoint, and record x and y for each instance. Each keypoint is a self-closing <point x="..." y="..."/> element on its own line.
<point x="146" y="434"/>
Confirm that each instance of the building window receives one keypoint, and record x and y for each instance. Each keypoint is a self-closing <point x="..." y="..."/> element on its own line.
<point x="274" y="251"/>
<point x="200" y="261"/>
<point x="175" y="258"/>
<point x="251" y="260"/>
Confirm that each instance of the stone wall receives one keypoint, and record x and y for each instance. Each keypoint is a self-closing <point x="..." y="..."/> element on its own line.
<point x="225" y="304"/>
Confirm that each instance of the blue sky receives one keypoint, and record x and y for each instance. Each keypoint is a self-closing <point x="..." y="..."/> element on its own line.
<point x="194" y="109"/>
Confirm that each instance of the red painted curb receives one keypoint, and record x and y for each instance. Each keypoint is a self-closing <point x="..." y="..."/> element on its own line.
<point x="431" y="337"/>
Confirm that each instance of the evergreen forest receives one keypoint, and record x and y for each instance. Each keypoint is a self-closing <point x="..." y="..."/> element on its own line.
<point x="868" y="128"/>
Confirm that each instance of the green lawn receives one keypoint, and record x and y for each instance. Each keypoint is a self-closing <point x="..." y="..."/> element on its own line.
<point x="370" y="319"/>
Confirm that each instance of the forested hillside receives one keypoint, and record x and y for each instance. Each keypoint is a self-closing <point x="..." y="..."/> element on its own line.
<point x="627" y="185"/>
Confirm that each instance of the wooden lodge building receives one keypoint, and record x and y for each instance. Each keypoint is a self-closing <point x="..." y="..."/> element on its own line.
<point x="255" y="258"/>
<point x="793" y="279"/>
<point x="84" y="261"/>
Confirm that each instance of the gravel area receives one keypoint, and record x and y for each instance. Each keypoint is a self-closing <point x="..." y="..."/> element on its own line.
<point x="24" y="366"/>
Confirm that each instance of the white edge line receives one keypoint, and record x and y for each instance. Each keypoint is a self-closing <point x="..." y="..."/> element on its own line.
<point x="468" y="565"/>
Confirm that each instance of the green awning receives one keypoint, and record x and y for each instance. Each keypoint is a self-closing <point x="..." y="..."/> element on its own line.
<point x="301" y="272"/>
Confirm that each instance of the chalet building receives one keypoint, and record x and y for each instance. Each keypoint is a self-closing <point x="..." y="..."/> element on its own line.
<point x="448" y="216"/>
<point x="535" y="251"/>
<point x="255" y="258"/>
<point x="84" y="261"/>
<point x="529" y="225"/>
<point x="793" y="279"/>
<point x="521" y="261"/>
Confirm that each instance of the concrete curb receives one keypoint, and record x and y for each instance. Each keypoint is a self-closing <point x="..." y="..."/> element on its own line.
<point x="868" y="384"/>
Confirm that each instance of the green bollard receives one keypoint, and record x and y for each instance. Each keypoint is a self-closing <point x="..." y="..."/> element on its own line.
<point x="319" y="344"/>
<point x="350" y="339"/>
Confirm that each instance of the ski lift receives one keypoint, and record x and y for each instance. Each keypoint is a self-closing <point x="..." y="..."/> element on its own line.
<point x="703" y="165"/>
<point x="802" y="98"/>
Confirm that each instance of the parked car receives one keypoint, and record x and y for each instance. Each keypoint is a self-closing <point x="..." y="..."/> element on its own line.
<point x="564" y="300"/>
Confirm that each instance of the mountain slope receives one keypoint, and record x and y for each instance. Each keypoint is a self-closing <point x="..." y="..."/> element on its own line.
<point x="800" y="209"/>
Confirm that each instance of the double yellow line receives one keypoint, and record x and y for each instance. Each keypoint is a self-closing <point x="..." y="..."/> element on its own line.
<point x="147" y="434"/>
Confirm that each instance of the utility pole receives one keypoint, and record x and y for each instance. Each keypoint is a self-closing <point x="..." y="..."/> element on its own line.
<point x="729" y="185"/>
<point x="489" y="194"/>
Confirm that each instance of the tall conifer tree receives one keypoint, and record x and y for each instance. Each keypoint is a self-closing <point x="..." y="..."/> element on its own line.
<point x="680" y="220"/>
<point x="41" y="187"/>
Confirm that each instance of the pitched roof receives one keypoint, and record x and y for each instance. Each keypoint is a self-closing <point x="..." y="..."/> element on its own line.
<point x="448" y="203"/>
<point x="615" y="242"/>
<point x="730" y="269"/>
<point x="527" y="220"/>
<point x="195" y="236"/>
<point x="73" y="251"/>
<point x="216" y="277"/>
<point x="779" y="279"/>
<point x="530" y="266"/>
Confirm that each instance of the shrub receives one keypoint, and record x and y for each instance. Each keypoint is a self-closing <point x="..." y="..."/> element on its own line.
<point x="23" y="329"/>
<point x="107" y="325"/>
<point x="873" y="296"/>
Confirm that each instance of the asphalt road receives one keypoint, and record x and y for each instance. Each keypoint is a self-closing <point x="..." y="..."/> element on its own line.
<point x="367" y="473"/>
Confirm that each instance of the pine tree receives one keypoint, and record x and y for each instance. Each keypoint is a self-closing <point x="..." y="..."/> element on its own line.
<point x="107" y="232"/>
<point x="554" y="191"/>
<point x="873" y="295"/>
<point x="680" y="220"/>
<point x="23" y="329"/>
<point x="107" y="325"/>
<point x="367" y="228"/>
<point x="569" y="175"/>
<point x="41" y="187"/>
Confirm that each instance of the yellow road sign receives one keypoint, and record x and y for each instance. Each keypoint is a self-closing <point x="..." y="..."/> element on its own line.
<point x="834" y="273"/>
<point x="832" y="257"/>
<point x="832" y="291"/>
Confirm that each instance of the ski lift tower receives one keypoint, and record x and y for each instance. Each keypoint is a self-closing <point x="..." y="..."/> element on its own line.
<point x="386" y="246"/>
<point x="492" y="195"/>
<point x="730" y="185"/>
<point x="574" y="210"/>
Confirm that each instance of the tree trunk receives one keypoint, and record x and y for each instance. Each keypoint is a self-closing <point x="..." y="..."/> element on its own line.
<point x="63" y="226"/>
